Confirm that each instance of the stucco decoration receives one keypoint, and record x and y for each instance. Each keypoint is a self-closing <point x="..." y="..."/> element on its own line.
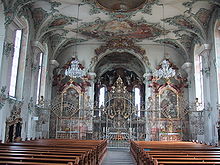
<point x="122" y="6"/>
<point x="203" y="16"/>
<point x="121" y="10"/>
<point x="174" y="80"/>
<point x="39" y="15"/>
<point x="62" y="81"/>
<point x="55" y="40"/>
<point x="65" y="43"/>
<point x="16" y="7"/>
<point x="61" y="21"/>
<point x="8" y="49"/>
<point x="58" y="21"/>
<point x="184" y="23"/>
<point x="189" y="4"/>
<point x="109" y="29"/>
<point x="121" y="19"/>
<point x="174" y="44"/>
<point x="120" y="44"/>
<point x="3" y="97"/>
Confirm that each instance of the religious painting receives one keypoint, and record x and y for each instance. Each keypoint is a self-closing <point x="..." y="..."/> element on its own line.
<point x="130" y="29"/>
<point x="169" y="104"/>
<point x="70" y="102"/>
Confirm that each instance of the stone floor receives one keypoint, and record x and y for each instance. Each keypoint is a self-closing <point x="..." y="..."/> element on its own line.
<point x="118" y="156"/>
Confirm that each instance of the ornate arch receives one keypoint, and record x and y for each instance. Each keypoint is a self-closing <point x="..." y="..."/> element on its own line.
<point x="143" y="59"/>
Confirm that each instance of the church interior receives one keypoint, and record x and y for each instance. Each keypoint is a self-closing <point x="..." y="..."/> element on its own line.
<point x="110" y="73"/>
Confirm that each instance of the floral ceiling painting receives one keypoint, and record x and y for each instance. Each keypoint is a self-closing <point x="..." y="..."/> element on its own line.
<point x="178" y="24"/>
<point x="130" y="29"/>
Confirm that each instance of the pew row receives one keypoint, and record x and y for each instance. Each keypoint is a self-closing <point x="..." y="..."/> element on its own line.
<point x="164" y="153"/>
<point x="54" y="151"/>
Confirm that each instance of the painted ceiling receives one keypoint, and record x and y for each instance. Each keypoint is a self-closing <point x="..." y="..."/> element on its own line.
<point x="176" y="23"/>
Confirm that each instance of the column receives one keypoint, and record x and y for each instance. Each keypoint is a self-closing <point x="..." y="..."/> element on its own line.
<point x="208" y="127"/>
<point x="148" y="93"/>
<point x="91" y="94"/>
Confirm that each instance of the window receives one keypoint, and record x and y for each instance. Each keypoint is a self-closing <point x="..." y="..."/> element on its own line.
<point x="102" y="97"/>
<point x="39" y="79"/>
<point x="137" y="99"/>
<point x="217" y="52"/>
<point x="15" y="62"/>
<point x="198" y="81"/>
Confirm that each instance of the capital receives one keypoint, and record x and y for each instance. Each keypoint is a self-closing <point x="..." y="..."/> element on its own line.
<point x="204" y="50"/>
<point x="187" y="67"/>
<point x="92" y="75"/>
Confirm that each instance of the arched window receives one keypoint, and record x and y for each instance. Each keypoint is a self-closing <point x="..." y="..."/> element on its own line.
<point x="15" y="62"/>
<point x="17" y="33"/>
<point x="198" y="79"/>
<point x="102" y="96"/>
<point x="217" y="52"/>
<point x="137" y="99"/>
<point x="39" y="79"/>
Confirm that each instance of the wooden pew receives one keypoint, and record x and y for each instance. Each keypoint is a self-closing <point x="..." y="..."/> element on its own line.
<point x="174" y="153"/>
<point x="60" y="151"/>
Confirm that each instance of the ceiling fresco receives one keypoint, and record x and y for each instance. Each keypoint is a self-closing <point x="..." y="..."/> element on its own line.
<point x="115" y="29"/>
<point x="177" y="23"/>
<point x="120" y="44"/>
<point x="120" y="9"/>
<point x="125" y="5"/>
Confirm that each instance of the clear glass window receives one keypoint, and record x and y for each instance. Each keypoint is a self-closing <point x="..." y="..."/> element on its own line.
<point x="217" y="52"/>
<point x="39" y="76"/>
<point x="137" y="95"/>
<point x="102" y="97"/>
<point x="199" y="82"/>
<point x="15" y="63"/>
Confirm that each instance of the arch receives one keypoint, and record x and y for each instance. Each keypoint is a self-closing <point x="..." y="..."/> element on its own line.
<point x="141" y="62"/>
<point x="22" y="24"/>
<point x="143" y="59"/>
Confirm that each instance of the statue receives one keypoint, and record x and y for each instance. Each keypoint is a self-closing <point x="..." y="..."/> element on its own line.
<point x="198" y="105"/>
<point x="150" y="103"/>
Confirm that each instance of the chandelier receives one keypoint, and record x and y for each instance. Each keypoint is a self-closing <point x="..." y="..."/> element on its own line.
<point x="74" y="70"/>
<point x="165" y="71"/>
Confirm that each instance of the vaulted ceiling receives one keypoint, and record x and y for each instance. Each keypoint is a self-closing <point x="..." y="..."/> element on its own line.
<point x="177" y="23"/>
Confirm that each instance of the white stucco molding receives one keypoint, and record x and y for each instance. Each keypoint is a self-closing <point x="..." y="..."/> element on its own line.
<point x="204" y="50"/>
<point x="187" y="67"/>
<point x="146" y="76"/>
<point x="38" y="47"/>
<point x="54" y="63"/>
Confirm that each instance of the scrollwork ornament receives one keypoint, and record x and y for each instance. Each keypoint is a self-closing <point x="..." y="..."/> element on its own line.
<point x="8" y="49"/>
<point x="3" y="97"/>
<point x="31" y="105"/>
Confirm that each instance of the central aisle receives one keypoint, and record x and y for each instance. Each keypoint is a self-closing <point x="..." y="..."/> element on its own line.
<point x="118" y="156"/>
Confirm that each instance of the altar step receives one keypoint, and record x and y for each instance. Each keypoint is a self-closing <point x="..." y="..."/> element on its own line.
<point x="118" y="156"/>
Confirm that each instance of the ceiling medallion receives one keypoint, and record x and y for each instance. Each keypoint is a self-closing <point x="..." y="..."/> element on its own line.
<point x="121" y="5"/>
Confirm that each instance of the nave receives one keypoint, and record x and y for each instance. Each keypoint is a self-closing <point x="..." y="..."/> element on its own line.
<point x="118" y="156"/>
